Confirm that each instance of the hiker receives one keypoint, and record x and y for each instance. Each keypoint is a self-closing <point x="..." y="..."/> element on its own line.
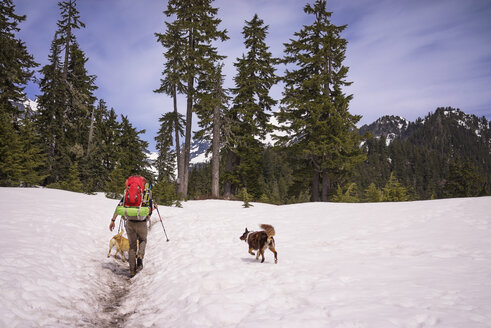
<point x="136" y="209"/>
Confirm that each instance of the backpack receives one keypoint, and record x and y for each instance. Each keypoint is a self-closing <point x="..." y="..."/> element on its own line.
<point x="134" y="191"/>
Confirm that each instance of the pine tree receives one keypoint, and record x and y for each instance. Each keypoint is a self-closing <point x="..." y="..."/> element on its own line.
<point x="115" y="184"/>
<point x="212" y="103"/>
<point x="462" y="180"/>
<point x="373" y="194"/>
<point x="51" y="122"/>
<point x="348" y="196"/>
<point x="166" y="159"/>
<point x="11" y="150"/>
<point x="16" y="69"/>
<point x="132" y="151"/>
<point x="251" y="102"/>
<point x="246" y="198"/>
<point x="394" y="192"/>
<point x="70" y="20"/>
<point x="171" y="84"/>
<point x="164" y="192"/>
<point x="32" y="155"/>
<point x="315" y="109"/>
<point x="197" y="26"/>
<point x="16" y="64"/>
<point x="72" y="181"/>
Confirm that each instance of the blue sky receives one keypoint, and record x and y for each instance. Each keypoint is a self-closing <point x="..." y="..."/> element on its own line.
<point x="405" y="57"/>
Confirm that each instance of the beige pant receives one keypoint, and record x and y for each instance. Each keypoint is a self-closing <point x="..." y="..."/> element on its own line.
<point x="136" y="230"/>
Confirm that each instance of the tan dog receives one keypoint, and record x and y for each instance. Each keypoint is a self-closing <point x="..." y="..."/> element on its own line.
<point x="260" y="241"/>
<point x="121" y="243"/>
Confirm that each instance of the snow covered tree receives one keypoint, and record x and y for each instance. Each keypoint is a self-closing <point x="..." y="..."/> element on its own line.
<point x="314" y="108"/>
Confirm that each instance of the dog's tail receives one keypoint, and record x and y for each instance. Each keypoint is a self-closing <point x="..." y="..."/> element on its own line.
<point x="268" y="229"/>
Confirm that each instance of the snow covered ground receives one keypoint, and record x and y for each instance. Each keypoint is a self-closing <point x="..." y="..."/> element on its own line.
<point x="414" y="264"/>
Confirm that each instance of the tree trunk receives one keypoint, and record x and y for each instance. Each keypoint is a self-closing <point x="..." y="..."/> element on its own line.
<point x="67" y="44"/>
<point x="189" y="116"/>
<point x="215" y="160"/>
<point x="91" y="132"/>
<point x="227" y="186"/>
<point x="178" y="146"/>
<point x="325" y="185"/>
<point x="315" y="186"/>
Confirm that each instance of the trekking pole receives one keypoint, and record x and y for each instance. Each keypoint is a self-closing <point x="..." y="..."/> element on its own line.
<point x="162" y="223"/>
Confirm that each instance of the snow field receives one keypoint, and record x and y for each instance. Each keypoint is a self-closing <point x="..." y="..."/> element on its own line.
<point x="413" y="264"/>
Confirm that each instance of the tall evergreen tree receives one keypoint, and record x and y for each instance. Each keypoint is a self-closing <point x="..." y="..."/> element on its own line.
<point x="132" y="151"/>
<point x="171" y="84"/>
<point x="394" y="191"/>
<point x="16" y="63"/>
<point x="16" y="69"/>
<point x="197" y="24"/>
<point x="212" y="102"/>
<point x="315" y="109"/>
<point x="51" y="122"/>
<point x="70" y="20"/>
<point x="166" y="159"/>
<point x="251" y="102"/>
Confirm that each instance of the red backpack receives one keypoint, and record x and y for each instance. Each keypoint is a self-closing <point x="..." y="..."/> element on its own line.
<point x="135" y="188"/>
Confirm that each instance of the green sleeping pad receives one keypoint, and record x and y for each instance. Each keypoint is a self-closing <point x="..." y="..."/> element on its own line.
<point x="132" y="211"/>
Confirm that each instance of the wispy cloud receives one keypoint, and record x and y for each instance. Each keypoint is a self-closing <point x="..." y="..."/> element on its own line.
<point x="405" y="57"/>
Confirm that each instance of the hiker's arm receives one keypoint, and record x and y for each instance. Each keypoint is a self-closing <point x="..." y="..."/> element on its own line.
<point x="111" y="225"/>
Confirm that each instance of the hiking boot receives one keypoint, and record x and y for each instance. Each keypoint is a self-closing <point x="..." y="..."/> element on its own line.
<point x="132" y="274"/>
<point x="139" y="264"/>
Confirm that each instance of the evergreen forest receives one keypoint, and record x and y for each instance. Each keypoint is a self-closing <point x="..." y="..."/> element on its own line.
<point x="75" y="141"/>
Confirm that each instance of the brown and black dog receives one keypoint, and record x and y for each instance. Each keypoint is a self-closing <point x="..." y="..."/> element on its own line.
<point x="260" y="240"/>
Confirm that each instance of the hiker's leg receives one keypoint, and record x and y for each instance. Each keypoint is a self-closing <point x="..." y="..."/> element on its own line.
<point x="132" y="238"/>
<point x="142" y="232"/>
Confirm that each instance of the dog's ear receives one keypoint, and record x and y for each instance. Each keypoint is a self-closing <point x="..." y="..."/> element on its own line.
<point x="246" y="230"/>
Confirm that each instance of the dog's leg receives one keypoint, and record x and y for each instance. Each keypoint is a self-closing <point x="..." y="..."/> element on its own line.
<point x="271" y="247"/>
<point x="121" y="252"/>
<point x="111" y="245"/>
<point x="250" y="251"/>
<point x="262" y="255"/>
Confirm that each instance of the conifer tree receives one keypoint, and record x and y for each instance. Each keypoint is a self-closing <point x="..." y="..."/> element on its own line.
<point x="16" y="69"/>
<point x="132" y="151"/>
<point x="171" y="84"/>
<point x="314" y="108"/>
<point x="70" y="20"/>
<point x="114" y="186"/>
<point x="51" y="122"/>
<point x="212" y="102"/>
<point x="11" y="150"/>
<point x="166" y="159"/>
<point x="348" y="196"/>
<point x="394" y="192"/>
<point x="373" y="194"/>
<point x="32" y="156"/>
<point x="462" y="180"/>
<point x="197" y="25"/>
<point x="72" y="181"/>
<point x="251" y="102"/>
<point x="16" y="63"/>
